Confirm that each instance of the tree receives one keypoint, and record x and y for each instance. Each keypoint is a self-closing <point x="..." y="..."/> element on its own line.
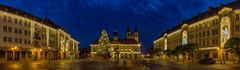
<point x="184" y="49"/>
<point x="168" y="52"/>
<point x="156" y="52"/>
<point x="178" y="50"/>
<point x="233" y="46"/>
<point x="190" y="49"/>
<point x="104" y="43"/>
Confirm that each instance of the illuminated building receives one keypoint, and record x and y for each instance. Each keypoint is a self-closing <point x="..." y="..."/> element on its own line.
<point x="117" y="48"/>
<point x="209" y="30"/>
<point x="26" y="37"/>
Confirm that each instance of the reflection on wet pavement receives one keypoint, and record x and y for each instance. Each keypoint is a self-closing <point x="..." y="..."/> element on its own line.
<point x="110" y="65"/>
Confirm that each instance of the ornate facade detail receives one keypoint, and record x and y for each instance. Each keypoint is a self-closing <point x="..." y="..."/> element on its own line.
<point x="210" y="30"/>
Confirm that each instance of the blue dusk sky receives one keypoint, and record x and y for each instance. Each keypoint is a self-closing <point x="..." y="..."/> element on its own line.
<point x="85" y="19"/>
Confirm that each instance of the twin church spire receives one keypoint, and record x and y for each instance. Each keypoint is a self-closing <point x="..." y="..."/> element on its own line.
<point x="134" y="35"/>
<point x="129" y="34"/>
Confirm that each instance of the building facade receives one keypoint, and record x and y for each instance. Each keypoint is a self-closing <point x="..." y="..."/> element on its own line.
<point x="209" y="30"/>
<point x="117" y="48"/>
<point x="26" y="37"/>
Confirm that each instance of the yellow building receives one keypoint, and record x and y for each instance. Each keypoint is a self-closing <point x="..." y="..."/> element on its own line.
<point x="120" y="48"/>
<point x="26" y="37"/>
<point x="209" y="30"/>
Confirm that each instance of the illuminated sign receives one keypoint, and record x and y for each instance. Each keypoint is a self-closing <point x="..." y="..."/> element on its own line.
<point x="225" y="30"/>
<point x="165" y="44"/>
<point x="184" y="37"/>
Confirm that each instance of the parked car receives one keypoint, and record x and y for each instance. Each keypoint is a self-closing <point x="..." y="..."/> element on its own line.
<point x="207" y="61"/>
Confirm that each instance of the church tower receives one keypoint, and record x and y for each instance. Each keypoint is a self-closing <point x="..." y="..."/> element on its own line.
<point x="115" y="34"/>
<point x="135" y="34"/>
<point x="129" y="35"/>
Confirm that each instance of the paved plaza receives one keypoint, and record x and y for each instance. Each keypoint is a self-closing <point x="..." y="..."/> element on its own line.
<point x="88" y="64"/>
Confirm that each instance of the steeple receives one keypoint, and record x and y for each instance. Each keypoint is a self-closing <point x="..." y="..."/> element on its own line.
<point x="129" y="34"/>
<point x="115" y="35"/>
<point x="135" y="35"/>
<point x="135" y="29"/>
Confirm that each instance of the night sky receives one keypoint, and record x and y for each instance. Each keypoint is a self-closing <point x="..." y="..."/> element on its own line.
<point x="85" y="19"/>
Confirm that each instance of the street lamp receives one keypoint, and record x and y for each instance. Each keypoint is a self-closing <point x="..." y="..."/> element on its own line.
<point x="49" y="54"/>
<point x="14" y="49"/>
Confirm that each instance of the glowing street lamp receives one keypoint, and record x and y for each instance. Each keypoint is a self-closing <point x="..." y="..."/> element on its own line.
<point x="40" y="50"/>
<point x="14" y="49"/>
<point x="35" y="49"/>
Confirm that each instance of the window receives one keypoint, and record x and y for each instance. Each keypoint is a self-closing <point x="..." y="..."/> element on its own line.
<point x="28" y="41"/>
<point x="216" y="41"/>
<point x="215" y="31"/>
<point x="5" y="28"/>
<point x="28" y="33"/>
<point x="200" y="44"/>
<point x="20" y="31"/>
<point x="237" y="28"/>
<point x="207" y="43"/>
<point x="208" y="33"/>
<point x="20" y="40"/>
<point x="216" y="21"/>
<point x="203" y="34"/>
<point x="25" y="23"/>
<point x="29" y="24"/>
<point x="213" y="42"/>
<point x="5" y="39"/>
<point x="16" y="30"/>
<point x="16" y="40"/>
<point x="204" y="43"/>
<point x="10" y="29"/>
<point x="25" y="41"/>
<point x="136" y="49"/>
<point x="25" y="32"/>
<point x="237" y="17"/>
<point x="5" y="18"/>
<point x="215" y="55"/>
<point x="9" y="19"/>
<point x="200" y="35"/>
<point x="16" y="20"/>
<point x="20" y="22"/>
<point x="9" y="39"/>
<point x="196" y="36"/>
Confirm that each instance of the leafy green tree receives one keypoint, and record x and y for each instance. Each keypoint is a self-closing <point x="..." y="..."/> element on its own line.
<point x="190" y="49"/>
<point x="156" y="52"/>
<point x="233" y="46"/>
<point x="184" y="49"/>
<point x="178" y="50"/>
<point x="168" y="52"/>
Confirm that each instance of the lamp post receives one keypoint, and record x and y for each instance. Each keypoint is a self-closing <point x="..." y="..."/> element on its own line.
<point x="40" y="52"/>
<point x="49" y="54"/>
<point x="34" y="53"/>
<point x="14" y="49"/>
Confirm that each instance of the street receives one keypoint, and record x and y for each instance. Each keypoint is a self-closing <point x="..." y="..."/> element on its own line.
<point x="109" y="65"/>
